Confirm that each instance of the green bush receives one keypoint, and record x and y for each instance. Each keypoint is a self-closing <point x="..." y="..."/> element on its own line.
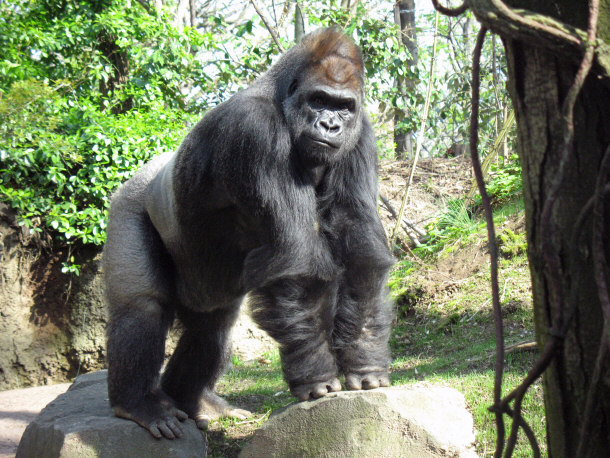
<point x="60" y="162"/>
<point x="505" y="182"/>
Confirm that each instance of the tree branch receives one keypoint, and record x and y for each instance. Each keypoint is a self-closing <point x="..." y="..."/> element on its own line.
<point x="540" y="30"/>
<point x="146" y="6"/>
<point x="421" y="133"/>
<point x="267" y="24"/>
<point x="450" y="11"/>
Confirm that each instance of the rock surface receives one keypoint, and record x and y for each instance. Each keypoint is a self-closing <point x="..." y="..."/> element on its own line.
<point x="80" y="424"/>
<point x="418" y="422"/>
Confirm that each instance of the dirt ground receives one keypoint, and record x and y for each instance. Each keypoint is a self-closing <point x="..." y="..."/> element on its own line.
<point x="18" y="408"/>
<point x="435" y="182"/>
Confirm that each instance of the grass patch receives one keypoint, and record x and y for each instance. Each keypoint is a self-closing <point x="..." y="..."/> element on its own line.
<point x="457" y="349"/>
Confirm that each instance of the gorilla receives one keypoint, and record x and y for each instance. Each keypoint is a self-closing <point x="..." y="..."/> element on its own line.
<point x="273" y="193"/>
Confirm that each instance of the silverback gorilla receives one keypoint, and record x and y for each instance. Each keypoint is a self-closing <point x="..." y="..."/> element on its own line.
<point x="272" y="193"/>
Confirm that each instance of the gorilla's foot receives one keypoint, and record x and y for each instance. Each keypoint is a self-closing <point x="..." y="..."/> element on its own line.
<point x="212" y="407"/>
<point x="366" y="380"/>
<point x="157" y="414"/>
<point x="315" y="390"/>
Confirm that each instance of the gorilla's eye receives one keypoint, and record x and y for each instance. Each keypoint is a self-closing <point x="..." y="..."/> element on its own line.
<point x="319" y="100"/>
<point x="293" y="86"/>
<point x="347" y="105"/>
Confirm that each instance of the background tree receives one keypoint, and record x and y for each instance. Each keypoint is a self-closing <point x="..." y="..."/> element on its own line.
<point x="406" y="83"/>
<point x="84" y="85"/>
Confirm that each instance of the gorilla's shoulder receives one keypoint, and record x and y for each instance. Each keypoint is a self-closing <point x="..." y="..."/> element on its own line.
<point x="249" y="105"/>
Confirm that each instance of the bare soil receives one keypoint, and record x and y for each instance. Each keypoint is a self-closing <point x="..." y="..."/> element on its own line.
<point x="18" y="408"/>
<point x="435" y="182"/>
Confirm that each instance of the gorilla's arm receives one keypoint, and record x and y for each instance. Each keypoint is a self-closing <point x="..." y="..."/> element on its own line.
<point x="268" y="186"/>
<point x="364" y="315"/>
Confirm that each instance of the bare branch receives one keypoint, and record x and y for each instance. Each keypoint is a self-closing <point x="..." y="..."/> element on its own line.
<point x="267" y="24"/>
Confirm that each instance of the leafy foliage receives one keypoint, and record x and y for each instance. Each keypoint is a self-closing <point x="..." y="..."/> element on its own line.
<point x="89" y="91"/>
<point x="61" y="161"/>
<point x="63" y="150"/>
<point x="506" y="182"/>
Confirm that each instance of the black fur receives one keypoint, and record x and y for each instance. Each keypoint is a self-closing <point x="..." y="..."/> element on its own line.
<point x="272" y="193"/>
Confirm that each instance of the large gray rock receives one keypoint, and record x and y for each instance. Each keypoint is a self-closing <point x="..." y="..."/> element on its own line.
<point x="80" y="424"/>
<point x="418" y="422"/>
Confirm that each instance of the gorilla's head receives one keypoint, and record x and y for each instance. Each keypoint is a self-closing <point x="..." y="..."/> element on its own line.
<point x="323" y="101"/>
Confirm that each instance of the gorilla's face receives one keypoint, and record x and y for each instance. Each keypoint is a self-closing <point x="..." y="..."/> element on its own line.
<point x="324" y="119"/>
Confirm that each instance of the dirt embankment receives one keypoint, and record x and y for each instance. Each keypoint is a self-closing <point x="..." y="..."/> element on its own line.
<point x="436" y="181"/>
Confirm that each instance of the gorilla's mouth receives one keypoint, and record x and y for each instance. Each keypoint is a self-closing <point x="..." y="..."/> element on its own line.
<point x="322" y="142"/>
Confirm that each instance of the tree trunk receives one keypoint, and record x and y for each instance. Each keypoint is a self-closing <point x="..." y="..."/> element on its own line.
<point x="541" y="68"/>
<point x="404" y="17"/>
<point x="118" y="60"/>
<point x="299" y="23"/>
<point x="182" y="15"/>
<point x="538" y="83"/>
<point x="193" y="12"/>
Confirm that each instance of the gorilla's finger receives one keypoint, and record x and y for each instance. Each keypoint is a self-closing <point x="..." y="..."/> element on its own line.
<point x="166" y="431"/>
<point x="384" y="380"/>
<point x="335" y="385"/>
<point x="175" y="427"/>
<point x="179" y="414"/>
<point x="154" y="430"/>
<point x="370" y="382"/>
<point x="353" y="382"/>
<point x="319" y="390"/>
<point x="202" y="422"/>
<point x="239" y="413"/>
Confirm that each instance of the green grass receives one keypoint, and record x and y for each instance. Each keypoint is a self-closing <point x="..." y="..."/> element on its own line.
<point x="458" y="350"/>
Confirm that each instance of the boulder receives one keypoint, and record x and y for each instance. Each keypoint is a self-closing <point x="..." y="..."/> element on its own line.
<point x="80" y="424"/>
<point x="418" y="422"/>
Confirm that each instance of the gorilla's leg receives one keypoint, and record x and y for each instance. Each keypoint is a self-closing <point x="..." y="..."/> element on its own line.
<point x="298" y="314"/>
<point x="136" y="342"/>
<point x="362" y="328"/>
<point x="138" y="276"/>
<point x="199" y="360"/>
